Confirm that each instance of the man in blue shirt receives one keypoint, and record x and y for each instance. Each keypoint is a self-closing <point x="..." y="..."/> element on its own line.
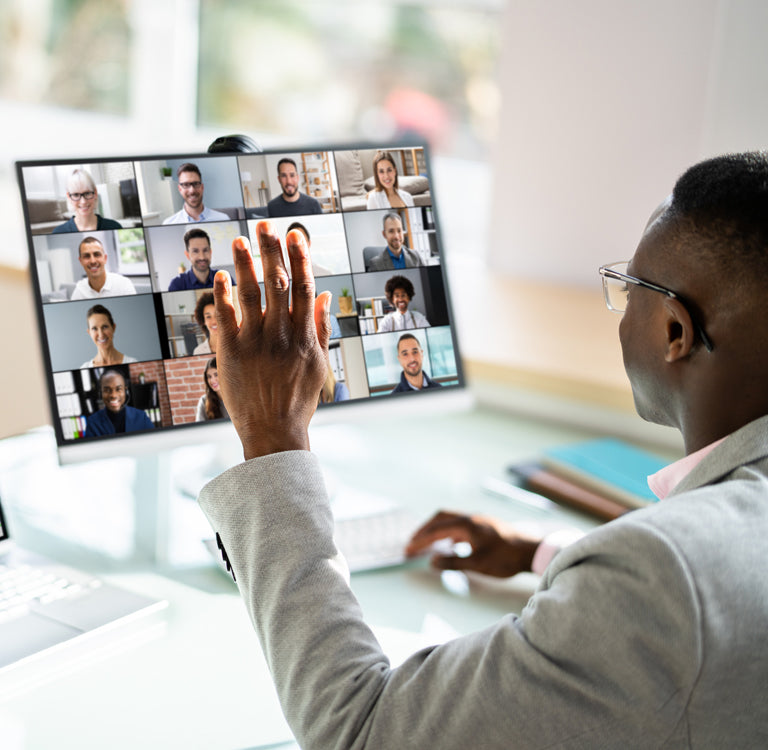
<point x="396" y="254"/>
<point x="198" y="251"/>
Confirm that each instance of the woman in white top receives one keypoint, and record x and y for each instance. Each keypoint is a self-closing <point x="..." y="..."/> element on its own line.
<point x="399" y="291"/>
<point x="387" y="194"/>
<point x="101" y="329"/>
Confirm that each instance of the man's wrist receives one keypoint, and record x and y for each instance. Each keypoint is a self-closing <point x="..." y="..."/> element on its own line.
<point x="259" y="447"/>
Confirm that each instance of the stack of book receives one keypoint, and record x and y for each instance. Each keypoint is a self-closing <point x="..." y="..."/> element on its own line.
<point x="605" y="477"/>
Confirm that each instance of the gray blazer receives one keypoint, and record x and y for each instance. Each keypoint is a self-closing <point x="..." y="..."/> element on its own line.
<point x="383" y="262"/>
<point x="650" y="632"/>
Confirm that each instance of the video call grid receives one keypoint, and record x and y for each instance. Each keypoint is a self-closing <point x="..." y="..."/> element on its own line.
<point x="245" y="224"/>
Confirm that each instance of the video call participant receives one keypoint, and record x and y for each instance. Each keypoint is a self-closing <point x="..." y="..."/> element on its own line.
<point x="387" y="193"/>
<point x="291" y="202"/>
<point x="197" y="249"/>
<point x="333" y="390"/>
<point x="191" y="189"/>
<point x="83" y="198"/>
<point x="98" y="282"/>
<point x="396" y="254"/>
<point x="210" y="405"/>
<point x="101" y="329"/>
<point x="116" y="416"/>
<point x="399" y="291"/>
<point x="410" y="356"/>
<point x="205" y="315"/>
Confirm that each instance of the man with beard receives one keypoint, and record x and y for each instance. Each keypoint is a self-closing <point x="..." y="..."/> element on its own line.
<point x="410" y="356"/>
<point x="191" y="189"/>
<point x="291" y="202"/>
<point x="396" y="254"/>
<point x="399" y="291"/>
<point x="197" y="245"/>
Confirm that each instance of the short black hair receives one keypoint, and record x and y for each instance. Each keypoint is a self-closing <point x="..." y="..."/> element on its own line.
<point x="399" y="282"/>
<point x="89" y="241"/>
<point x="406" y="336"/>
<point x="112" y="371"/>
<point x="123" y="372"/>
<point x="188" y="167"/>
<point x="298" y="225"/>
<point x="196" y="233"/>
<point x="721" y="205"/>
<point x="286" y="160"/>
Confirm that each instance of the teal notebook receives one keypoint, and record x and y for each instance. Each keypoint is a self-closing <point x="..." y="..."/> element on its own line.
<point x="607" y="465"/>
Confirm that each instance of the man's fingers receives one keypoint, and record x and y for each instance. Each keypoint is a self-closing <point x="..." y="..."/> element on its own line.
<point x="302" y="285"/>
<point x="248" y="294"/>
<point x="453" y="562"/>
<point x="323" y="319"/>
<point x="424" y="538"/>
<point x="276" y="281"/>
<point x="443" y="524"/>
<point x="225" y="308"/>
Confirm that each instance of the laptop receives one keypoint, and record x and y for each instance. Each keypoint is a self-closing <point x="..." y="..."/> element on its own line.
<point x="46" y="607"/>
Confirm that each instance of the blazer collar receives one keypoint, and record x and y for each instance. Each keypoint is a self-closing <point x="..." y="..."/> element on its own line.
<point x="745" y="446"/>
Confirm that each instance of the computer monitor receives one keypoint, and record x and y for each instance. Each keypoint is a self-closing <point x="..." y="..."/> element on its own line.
<point x="122" y="255"/>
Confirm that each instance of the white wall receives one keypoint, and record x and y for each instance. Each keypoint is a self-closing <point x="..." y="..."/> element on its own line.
<point x="605" y="103"/>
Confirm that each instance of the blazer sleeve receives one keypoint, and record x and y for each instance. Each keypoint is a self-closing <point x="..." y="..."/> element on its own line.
<point x="604" y="655"/>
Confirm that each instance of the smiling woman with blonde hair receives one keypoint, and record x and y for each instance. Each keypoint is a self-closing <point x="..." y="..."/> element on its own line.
<point x="82" y="200"/>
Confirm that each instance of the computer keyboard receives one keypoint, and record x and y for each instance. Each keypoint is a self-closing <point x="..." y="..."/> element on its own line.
<point x="24" y="585"/>
<point x="376" y="539"/>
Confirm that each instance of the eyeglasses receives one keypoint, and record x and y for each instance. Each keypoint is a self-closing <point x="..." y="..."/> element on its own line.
<point x="616" y="290"/>
<point x="190" y="185"/>
<point x="87" y="195"/>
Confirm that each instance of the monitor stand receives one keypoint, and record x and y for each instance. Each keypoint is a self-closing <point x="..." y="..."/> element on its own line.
<point x="152" y="490"/>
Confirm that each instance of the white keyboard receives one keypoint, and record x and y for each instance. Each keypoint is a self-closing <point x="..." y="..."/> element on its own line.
<point x="22" y="585"/>
<point x="375" y="540"/>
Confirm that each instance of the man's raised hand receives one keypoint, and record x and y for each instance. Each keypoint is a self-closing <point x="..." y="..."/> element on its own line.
<point x="272" y="362"/>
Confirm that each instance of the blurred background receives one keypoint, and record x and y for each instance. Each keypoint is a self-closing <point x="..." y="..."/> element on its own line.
<point x="131" y="76"/>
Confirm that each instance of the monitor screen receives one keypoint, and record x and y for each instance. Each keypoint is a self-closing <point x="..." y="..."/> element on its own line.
<point x="123" y="251"/>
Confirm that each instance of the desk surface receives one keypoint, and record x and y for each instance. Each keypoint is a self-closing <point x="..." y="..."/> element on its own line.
<point x="202" y="682"/>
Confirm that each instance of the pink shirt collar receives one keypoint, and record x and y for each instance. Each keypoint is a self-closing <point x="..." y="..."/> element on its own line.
<point x="665" y="480"/>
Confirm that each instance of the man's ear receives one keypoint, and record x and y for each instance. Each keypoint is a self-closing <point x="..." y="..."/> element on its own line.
<point x="680" y="332"/>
